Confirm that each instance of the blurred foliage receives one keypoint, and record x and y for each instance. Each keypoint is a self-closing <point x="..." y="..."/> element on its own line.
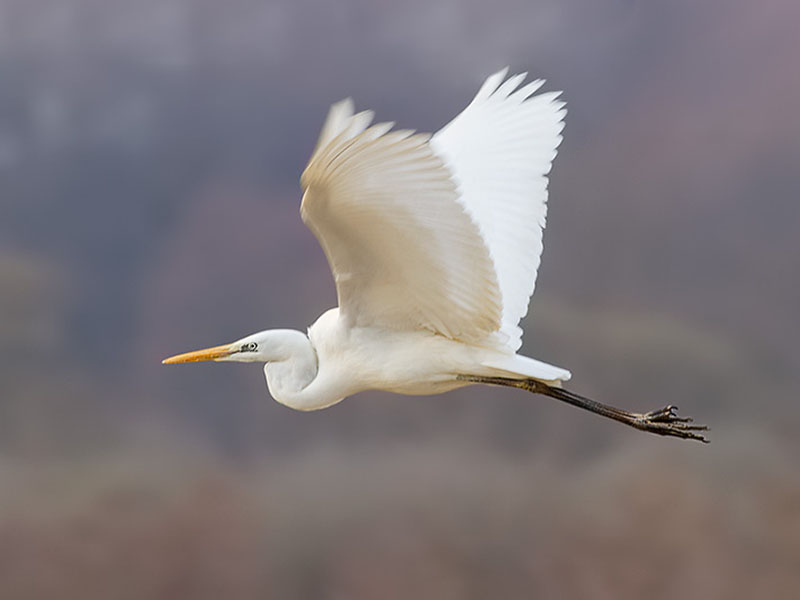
<point x="443" y="521"/>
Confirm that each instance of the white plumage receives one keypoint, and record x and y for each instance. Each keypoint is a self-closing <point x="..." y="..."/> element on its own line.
<point x="434" y="243"/>
<point x="443" y="233"/>
<point x="404" y="252"/>
<point x="499" y="151"/>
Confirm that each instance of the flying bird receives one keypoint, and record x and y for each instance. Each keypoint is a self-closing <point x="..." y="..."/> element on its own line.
<point x="434" y="242"/>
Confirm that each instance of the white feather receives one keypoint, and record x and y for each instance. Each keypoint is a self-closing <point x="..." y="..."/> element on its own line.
<point x="434" y="244"/>
<point x="404" y="252"/>
<point x="499" y="151"/>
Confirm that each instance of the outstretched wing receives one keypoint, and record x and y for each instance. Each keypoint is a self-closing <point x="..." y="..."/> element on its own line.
<point x="499" y="151"/>
<point x="404" y="252"/>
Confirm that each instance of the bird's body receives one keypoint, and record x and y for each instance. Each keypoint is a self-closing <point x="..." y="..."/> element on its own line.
<point x="434" y="243"/>
<point x="336" y="361"/>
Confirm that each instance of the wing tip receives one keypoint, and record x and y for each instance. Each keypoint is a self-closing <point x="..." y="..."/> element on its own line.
<point x="345" y="104"/>
<point x="500" y="83"/>
<point x="491" y="84"/>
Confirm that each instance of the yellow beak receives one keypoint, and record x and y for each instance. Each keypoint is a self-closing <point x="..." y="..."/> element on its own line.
<point x="214" y="353"/>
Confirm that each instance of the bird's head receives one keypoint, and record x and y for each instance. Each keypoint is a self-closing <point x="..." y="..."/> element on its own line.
<point x="291" y="362"/>
<point x="264" y="346"/>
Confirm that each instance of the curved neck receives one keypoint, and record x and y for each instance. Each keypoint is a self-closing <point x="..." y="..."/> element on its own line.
<point x="292" y="366"/>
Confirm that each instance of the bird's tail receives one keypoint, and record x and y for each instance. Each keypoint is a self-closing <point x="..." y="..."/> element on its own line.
<point x="516" y="366"/>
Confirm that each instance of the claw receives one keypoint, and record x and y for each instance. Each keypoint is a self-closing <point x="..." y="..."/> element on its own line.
<point x="666" y="421"/>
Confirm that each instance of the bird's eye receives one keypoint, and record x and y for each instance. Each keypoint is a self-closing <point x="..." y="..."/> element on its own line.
<point x="251" y="347"/>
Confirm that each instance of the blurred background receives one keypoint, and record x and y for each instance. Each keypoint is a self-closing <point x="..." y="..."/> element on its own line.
<point x="150" y="152"/>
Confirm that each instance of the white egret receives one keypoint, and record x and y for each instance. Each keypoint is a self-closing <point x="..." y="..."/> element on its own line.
<point x="434" y="242"/>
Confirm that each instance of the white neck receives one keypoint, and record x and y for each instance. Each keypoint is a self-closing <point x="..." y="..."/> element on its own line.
<point x="292" y="365"/>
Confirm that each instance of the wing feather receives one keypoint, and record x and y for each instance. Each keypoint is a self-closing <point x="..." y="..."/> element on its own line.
<point x="404" y="252"/>
<point x="500" y="150"/>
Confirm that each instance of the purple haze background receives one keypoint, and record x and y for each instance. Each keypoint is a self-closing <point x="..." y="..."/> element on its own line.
<point x="150" y="152"/>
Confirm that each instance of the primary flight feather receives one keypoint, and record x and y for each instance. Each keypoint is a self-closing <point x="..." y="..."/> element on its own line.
<point x="434" y="243"/>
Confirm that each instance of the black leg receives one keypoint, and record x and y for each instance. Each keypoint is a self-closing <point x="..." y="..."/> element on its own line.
<point x="664" y="421"/>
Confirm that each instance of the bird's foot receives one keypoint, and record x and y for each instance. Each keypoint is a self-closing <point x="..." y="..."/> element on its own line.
<point x="665" y="421"/>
